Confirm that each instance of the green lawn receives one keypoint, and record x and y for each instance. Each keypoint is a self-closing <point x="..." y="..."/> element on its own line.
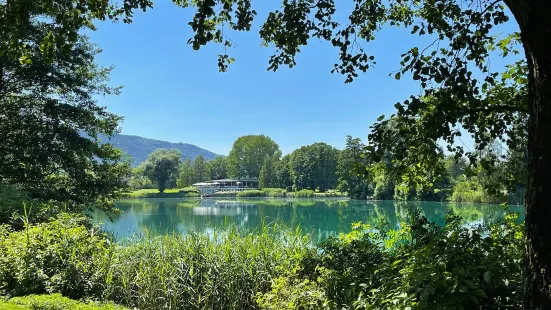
<point x="10" y="306"/>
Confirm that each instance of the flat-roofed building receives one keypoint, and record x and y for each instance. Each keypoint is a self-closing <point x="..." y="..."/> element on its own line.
<point x="225" y="185"/>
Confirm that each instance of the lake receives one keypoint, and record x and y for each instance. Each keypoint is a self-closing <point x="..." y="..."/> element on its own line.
<point x="320" y="218"/>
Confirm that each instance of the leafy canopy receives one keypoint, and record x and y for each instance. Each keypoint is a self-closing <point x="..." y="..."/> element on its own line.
<point x="248" y="155"/>
<point x="50" y="123"/>
<point x="161" y="167"/>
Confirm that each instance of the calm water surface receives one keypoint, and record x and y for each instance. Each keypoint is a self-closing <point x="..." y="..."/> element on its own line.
<point x="319" y="218"/>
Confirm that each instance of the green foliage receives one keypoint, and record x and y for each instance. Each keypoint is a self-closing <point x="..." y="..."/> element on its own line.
<point x="251" y="193"/>
<point x="351" y="170"/>
<point x="62" y="256"/>
<point x="58" y="302"/>
<point x="248" y="155"/>
<point x="50" y="122"/>
<point x="199" y="170"/>
<point x="314" y="167"/>
<point x="161" y="167"/>
<point x="420" y="266"/>
<point x="290" y="293"/>
<point x="303" y="193"/>
<point x="169" y="193"/>
<point x="195" y="271"/>
<point x="275" y="192"/>
<point x="225" y="270"/>
<point x="11" y="306"/>
<point x="218" y="168"/>
<point x="186" y="174"/>
<point x="12" y="202"/>
<point x="63" y="21"/>
<point x="470" y="190"/>
<point x="282" y="172"/>
<point x="267" y="176"/>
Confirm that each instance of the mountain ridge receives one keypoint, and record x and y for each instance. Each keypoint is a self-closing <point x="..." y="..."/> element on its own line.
<point x="139" y="148"/>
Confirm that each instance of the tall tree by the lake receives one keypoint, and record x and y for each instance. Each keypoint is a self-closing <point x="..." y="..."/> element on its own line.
<point x="351" y="170"/>
<point x="161" y="167"/>
<point x="50" y="122"/>
<point x="314" y="167"/>
<point x="248" y="155"/>
<point x="218" y="168"/>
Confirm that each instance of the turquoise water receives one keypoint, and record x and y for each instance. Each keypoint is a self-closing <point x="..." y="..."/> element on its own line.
<point x="318" y="217"/>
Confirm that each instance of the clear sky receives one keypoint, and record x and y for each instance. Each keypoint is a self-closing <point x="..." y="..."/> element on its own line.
<point x="176" y="94"/>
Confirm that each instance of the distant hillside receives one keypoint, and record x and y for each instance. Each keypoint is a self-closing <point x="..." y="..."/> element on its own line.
<point x="138" y="148"/>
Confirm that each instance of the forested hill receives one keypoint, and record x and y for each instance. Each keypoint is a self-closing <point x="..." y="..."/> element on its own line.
<point x="138" y="148"/>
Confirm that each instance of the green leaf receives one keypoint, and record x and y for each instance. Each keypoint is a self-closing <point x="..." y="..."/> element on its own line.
<point x="480" y="293"/>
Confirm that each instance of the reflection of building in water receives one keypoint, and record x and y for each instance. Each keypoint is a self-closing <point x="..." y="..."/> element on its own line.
<point x="225" y="203"/>
<point x="223" y="208"/>
<point x="225" y="185"/>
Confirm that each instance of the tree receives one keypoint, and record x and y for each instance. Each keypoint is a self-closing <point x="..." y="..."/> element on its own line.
<point x="186" y="175"/>
<point x="50" y="124"/>
<point x="248" y="155"/>
<point x="314" y="167"/>
<point x="61" y="21"/>
<point x="267" y="176"/>
<point x="161" y="167"/>
<point x="455" y="167"/>
<point x="282" y="172"/>
<point x="200" y="169"/>
<point x="351" y="170"/>
<point x="218" y="168"/>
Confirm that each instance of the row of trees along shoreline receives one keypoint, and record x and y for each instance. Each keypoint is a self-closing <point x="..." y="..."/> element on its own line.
<point x="321" y="167"/>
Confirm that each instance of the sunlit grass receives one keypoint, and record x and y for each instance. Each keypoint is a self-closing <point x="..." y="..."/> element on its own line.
<point x="168" y="193"/>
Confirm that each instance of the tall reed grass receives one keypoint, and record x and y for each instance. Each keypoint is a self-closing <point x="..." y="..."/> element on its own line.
<point x="224" y="270"/>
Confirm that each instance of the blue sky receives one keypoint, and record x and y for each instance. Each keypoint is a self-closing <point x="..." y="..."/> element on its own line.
<point x="175" y="94"/>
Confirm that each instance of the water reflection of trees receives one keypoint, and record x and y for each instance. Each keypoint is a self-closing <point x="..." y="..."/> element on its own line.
<point x="319" y="218"/>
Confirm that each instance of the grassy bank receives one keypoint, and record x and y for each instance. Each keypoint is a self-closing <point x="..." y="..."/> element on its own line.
<point x="168" y="193"/>
<point x="54" y="302"/>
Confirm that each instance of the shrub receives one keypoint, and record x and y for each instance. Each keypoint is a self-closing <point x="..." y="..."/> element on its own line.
<point x="169" y="193"/>
<point x="58" y="302"/>
<point x="303" y="193"/>
<point x="421" y="266"/>
<point x="290" y="292"/>
<point x="275" y="192"/>
<point x="251" y="193"/>
<point x="61" y="256"/>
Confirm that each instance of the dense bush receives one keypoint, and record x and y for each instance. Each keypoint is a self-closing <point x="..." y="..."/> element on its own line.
<point x="275" y="192"/>
<point x="470" y="190"/>
<point x="168" y="193"/>
<point x="62" y="256"/>
<point x="58" y="302"/>
<point x="303" y="193"/>
<point x="12" y="200"/>
<point x="421" y="266"/>
<point x="221" y="271"/>
<point x="251" y="193"/>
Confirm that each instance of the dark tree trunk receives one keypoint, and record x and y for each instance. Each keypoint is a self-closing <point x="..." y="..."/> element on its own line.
<point x="534" y="18"/>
